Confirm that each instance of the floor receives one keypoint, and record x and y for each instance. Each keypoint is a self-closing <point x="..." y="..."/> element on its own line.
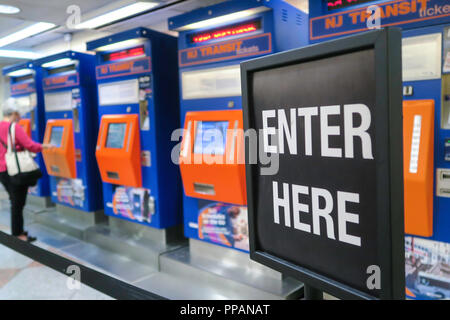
<point x="176" y="275"/>
<point x="24" y="279"/>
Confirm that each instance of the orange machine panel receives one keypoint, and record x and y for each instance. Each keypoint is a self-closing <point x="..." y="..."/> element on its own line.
<point x="119" y="150"/>
<point x="26" y="125"/>
<point x="212" y="156"/>
<point x="60" y="160"/>
<point x="418" y="128"/>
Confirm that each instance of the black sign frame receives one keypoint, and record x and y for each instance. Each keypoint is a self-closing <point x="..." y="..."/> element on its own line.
<point x="386" y="44"/>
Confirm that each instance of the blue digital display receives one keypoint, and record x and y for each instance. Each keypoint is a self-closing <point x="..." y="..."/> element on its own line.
<point x="211" y="137"/>
<point x="116" y="135"/>
<point x="56" y="136"/>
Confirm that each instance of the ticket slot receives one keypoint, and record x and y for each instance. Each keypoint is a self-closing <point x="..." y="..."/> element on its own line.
<point x="26" y="126"/>
<point x="60" y="160"/>
<point x="443" y="183"/>
<point x="118" y="150"/>
<point x="418" y="127"/>
<point x="206" y="189"/>
<point x="211" y="157"/>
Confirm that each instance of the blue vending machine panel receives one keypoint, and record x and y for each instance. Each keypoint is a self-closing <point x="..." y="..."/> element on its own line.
<point x="426" y="61"/>
<point x="70" y="93"/>
<point x="26" y="87"/>
<point x="212" y="43"/>
<point x="136" y="73"/>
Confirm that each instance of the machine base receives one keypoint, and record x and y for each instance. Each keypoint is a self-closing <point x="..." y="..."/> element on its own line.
<point x="70" y="221"/>
<point x="134" y="241"/>
<point x="206" y="271"/>
<point x="88" y="254"/>
<point x="39" y="203"/>
<point x="36" y="205"/>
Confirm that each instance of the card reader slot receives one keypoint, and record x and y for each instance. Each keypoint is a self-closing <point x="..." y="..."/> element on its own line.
<point x="101" y="136"/>
<point x="187" y="140"/>
<point x="206" y="189"/>
<point x="233" y="141"/>
<point x="445" y="175"/>
<point x="129" y="136"/>
<point x="112" y="175"/>
<point x="443" y="183"/>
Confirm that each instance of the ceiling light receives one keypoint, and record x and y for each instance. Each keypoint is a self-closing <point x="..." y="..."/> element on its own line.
<point x="5" y="9"/>
<point x="18" y="54"/>
<point x="20" y="73"/>
<point x="58" y="63"/>
<point x="119" y="45"/>
<point x="115" y="15"/>
<point x="26" y="32"/>
<point x="223" y="19"/>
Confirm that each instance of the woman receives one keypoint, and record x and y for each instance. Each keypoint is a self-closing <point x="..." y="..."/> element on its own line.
<point x="17" y="194"/>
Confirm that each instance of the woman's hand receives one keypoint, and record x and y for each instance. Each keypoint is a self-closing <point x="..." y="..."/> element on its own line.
<point x="46" y="146"/>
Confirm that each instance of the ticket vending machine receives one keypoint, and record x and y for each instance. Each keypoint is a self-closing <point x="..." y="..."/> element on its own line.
<point x="70" y="98"/>
<point x="138" y="106"/>
<point x="426" y="126"/>
<point x="212" y="43"/>
<point x="26" y="87"/>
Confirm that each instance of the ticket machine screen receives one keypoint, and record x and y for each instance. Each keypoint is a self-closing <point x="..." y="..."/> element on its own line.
<point x="217" y="138"/>
<point x="116" y="135"/>
<point x="210" y="137"/>
<point x="120" y="164"/>
<point x="60" y="161"/>
<point x="56" y="136"/>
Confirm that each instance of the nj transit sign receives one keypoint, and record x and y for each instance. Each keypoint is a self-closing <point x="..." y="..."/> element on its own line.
<point x="23" y="87"/>
<point x="226" y="50"/>
<point x="332" y="215"/>
<point x="392" y="13"/>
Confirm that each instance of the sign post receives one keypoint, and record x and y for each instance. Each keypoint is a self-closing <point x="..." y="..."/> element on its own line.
<point x="329" y="116"/>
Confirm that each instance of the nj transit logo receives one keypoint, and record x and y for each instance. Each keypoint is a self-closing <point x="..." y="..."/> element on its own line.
<point x="392" y="13"/>
<point x="61" y="81"/>
<point x="227" y="50"/>
<point x="21" y="88"/>
<point x="124" y="68"/>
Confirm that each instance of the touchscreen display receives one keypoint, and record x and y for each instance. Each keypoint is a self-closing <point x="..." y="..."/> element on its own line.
<point x="210" y="137"/>
<point x="116" y="135"/>
<point x="56" y="136"/>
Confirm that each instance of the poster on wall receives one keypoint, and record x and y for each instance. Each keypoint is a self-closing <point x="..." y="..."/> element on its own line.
<point x="71" y="192"/>
<point x="427" y="269"/>
<point x="224" y="224"/>
<point x="133" y="203"/>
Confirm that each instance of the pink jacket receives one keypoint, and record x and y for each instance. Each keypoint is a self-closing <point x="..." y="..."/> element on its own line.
<point x="22" y="142"/>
